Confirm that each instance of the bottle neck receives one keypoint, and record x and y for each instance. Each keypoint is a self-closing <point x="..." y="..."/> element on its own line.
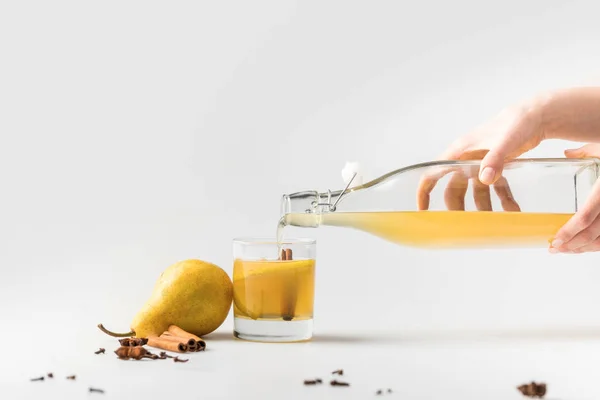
<point x="306" y="208"/>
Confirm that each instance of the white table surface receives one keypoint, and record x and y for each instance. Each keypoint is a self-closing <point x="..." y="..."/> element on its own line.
<point x="418" y="365"/>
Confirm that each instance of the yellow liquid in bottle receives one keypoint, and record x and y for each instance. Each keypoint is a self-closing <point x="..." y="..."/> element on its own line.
<point x="447" y="229"/>
<point x="274" y="289"/>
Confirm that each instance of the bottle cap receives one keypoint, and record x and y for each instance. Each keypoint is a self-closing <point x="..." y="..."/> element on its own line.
<point x="349" y="170"/>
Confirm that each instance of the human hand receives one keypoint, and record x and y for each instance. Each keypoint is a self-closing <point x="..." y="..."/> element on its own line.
<point x="581" y="233"/>
<point x="511" y="133"/>
<point x="456" y="188"/>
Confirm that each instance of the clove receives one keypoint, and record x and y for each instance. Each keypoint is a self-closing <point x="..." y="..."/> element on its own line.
<point x="338" y="372"/>
<point x="313" y="381"/>
<point x="379" y="392"/>
<point x="151" y="356"/>
<point x="50" y="375"/>
<point x="177" y="359"/>
<point x="338" y="383"/>
<point x="94" y="390"/>
<point x="164" y="355"/>
<point x="100" y="351"/>
<point x="41" y="378"/>
<point x="533" y="389"/>
<point x="71" y="377"/>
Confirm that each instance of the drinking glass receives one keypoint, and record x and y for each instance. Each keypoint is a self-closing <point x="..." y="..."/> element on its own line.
<point x="273" y="289"/>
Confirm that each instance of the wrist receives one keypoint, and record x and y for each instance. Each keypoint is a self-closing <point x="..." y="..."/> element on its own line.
<point x="570" y="114"/>
<point x="541" y="107"/>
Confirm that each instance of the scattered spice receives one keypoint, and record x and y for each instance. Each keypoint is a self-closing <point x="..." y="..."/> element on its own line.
<point x="133" y="341"/>
<point x="100" y="351"/>
<point x="137" y="353"/>
<point x="126" y="352"/>
<point x="50" y="375"/>
<point x="533" y="389"/>
<point x="41" y="378"/>
<point x="338" y="372"/>
<point x="177" y="359"/>
<point x="164" y="355"/>
<point x="379" y="392"/>
<point x="313" y="381"/>
<point x="338" y="383"/>
<point x="151" y="356"/>
<point x="71" y="377"/>
<point x="389" y="390"/>
<point x="94" y="390"/>
<point x="174" y="339"/>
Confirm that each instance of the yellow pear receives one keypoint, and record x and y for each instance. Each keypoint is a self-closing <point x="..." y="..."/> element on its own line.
<point x="194" y="295"/>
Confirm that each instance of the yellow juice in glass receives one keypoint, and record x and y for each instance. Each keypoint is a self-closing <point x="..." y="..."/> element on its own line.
<point x="275" y="290"/>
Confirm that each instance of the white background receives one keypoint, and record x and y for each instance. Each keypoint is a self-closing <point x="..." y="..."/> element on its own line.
<point x="136" y="134"/>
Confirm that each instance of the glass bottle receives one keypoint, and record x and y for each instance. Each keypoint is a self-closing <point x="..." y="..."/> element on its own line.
<point x="442" y="204"/>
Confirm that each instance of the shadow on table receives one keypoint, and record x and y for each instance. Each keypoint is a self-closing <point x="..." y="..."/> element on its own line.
<point x="219" y="336"/>
<point x="537" y="335"/>
<point x="415" y="337"/>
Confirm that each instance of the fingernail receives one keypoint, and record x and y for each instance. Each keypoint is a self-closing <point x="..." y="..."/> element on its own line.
<point x="552" y="250"/>
<point x="487" y="175"/>
<point x="557" y="243"/>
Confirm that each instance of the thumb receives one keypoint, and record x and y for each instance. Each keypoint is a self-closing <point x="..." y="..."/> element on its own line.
<point x="509" y="144"/>
<point x="493" y="164"/>
<point x="589" y="150"/>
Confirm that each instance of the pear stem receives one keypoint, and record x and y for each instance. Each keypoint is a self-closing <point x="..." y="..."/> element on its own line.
<point x="113" y="334"/>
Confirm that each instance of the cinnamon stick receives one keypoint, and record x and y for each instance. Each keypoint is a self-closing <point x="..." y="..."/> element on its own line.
<point x="288" y="301"/>
<point x="171" y="338"/>
<point x="177" y="331"/>
<point x="286" y="255"/>
<point x="162" y="343"/>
